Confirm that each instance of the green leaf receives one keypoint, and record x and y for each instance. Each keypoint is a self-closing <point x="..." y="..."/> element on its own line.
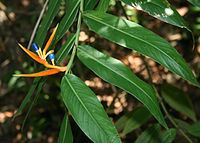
<point x="134" y="36"/>
<point x="160" y="9"/>
<point x="53" y="8"/>
<point x="168" y="136"/>
<point x="34" y="100"/>
<point x="138" y="118"/>
<point x="87" y="111"/>
<point x="90" y="4"/>
<point x="151" y="135"/>
<point x="193" y="129"/>
<point x="132" y="120"/>
<point x="27" y="98"/>
<point x="154" y="135"/>
<point x="115" y="72"/>
<point x="103" y="5"/>
<point x="65" y="134"/>
<point x="65" y="49"/>
<point x="178" y="100"/>
<point x="68" y="19"/>
<point x="195" y="2"/>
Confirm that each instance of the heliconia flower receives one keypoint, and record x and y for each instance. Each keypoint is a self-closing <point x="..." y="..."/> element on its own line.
<point x="41" y="56"/>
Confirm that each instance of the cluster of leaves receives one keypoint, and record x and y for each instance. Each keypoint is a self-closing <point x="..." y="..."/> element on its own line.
<point x="82" y="102"/>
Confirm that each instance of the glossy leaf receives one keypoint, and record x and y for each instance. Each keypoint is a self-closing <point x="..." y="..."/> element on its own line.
<point x="51" y="12"/>
<point x="154" y="135"/>
<point x="178" y="100"/>
<point x="195" y="2"/>
<point x="103" y="5"/>
<point x="140" y="116"/>
<point x="87" y="111"/>
<point x="68" y="18"/>
<point x="134" y="36"/>
<point x="160" y="9"/>
<point x="65" y="134"/>
<point x="116" y="73"/>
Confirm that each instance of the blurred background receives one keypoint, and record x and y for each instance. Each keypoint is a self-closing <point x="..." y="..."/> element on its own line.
<point x="42" y="123"/>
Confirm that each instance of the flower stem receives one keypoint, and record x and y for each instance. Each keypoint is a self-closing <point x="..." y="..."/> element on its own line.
<point x="69" y="65"/>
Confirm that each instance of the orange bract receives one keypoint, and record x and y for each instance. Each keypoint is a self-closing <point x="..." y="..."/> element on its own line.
<point x="42" y="60"/>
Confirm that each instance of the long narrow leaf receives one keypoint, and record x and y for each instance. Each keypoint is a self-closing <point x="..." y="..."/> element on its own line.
<point x="27" y="98"/>
<point x="195" y="2"/>
<point x="178" y="100"/>
<point x="90" y="4"/>
<point x="140" y="116"/>
<point x="134" y="36"/>
<point x="154" y="135"/>
<point x="51" y="12"/>
<point x="87" y="111"/>
<point x="65" y="49"/>
<point x="160" y="9"/>
<point x="65" y="134"/>
<point x="103" y="5"/>
<point x="115" y="72"/>
<point x="68" y="19"/>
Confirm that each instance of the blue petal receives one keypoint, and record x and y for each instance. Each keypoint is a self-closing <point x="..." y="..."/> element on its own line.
<point x="35" y="47"/>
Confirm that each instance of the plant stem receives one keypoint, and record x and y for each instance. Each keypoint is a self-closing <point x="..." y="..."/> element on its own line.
<point x="69" y="65"/>
<point x="37" y="24"/>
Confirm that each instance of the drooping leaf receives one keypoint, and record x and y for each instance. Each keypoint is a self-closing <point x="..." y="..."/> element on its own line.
<point x="195" y="2"/>
<point x="68" y="18"/>
<point x="51" y="12"/>
<point x="134" y="36"/>
<point x="160" y="9"/>
<point x="154" y="135"/>
<point x="87" y="111"/>
<point x="178" y="100"/>
<point x="103" y="5"/>
<point x="140" y="116"/>
<point x="65" y="134"/>
<point x="116" y="73"/>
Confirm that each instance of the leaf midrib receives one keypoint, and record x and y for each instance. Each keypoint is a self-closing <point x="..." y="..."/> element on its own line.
<point x="120" y="75"/>
<point x="139" y="39"/>
<point x="71" y="86"/>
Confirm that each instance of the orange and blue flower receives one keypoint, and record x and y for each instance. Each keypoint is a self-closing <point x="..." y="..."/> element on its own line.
<point x="41" y="57"/>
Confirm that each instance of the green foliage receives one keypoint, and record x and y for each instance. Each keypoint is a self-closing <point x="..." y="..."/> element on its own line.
<point x="65" y="135"/>
<point x="177" y="99"/>
<point x="82" y="103"/>
<point x="154" y="135"/>
<point x="116" y="73"/>
<point x="87" y="110"/>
